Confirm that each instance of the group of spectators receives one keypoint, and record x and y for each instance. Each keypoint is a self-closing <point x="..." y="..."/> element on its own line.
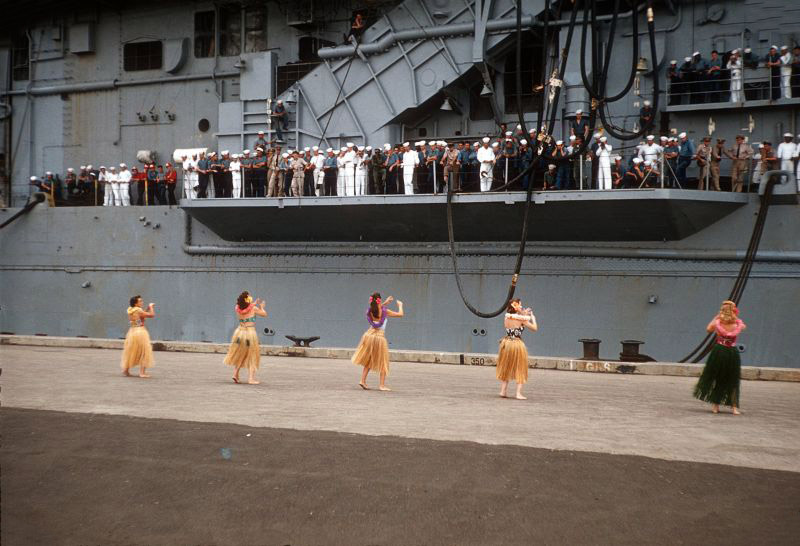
<point x="721" y="78"/>
<point x="494" y="163"/>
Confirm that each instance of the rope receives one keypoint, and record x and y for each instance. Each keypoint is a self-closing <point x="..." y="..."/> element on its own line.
<point x="38" y="197"/>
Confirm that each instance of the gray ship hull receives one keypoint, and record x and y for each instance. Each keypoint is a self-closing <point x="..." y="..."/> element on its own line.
<point x="70" y="272"/>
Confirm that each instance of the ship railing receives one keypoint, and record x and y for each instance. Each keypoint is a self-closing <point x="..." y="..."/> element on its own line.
<point x="754" y="86"/>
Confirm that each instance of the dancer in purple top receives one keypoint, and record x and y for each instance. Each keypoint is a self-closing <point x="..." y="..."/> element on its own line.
<point x="373" y="352"/>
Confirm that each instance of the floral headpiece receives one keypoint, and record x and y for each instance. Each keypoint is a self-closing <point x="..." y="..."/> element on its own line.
<point x="376" y="300"/>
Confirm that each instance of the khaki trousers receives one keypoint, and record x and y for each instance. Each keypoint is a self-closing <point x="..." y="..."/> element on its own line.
<point x="737" y="174"/>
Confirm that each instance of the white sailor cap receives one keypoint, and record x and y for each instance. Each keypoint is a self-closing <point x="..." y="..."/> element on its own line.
<point x="369" y="148"/>
<point x="235" y="156"/>
<point x="773" y="47"/>
<point x="784" y="48"/>
<point x="508" y="133"/>
<point x="350" y="144"/>
<point x="523" y="142"/>
<point x="225" y="152"/>
<point x="89" y="167"/>
<point x="682" y="135"/>
<point x="49" y="173"/>
<point x="687" y="59"/>
<point x="71" y="170"/>
<point x="33" y="178"/>
<point x="598" y="135"/>
<point x="509" y="140"/>
<point x="637" y="160"/>
<point x="790" y="135"/>
<point x="258" y="149"/>
<point x="123" y="165"/>
<point x="647" y="103"/>
<point x="695" y="54"/>
<point x="748" y="50"/>
<point x="551" y="166"/>
<point x="306" y="149"/>
<point x="617" y="158"/>
<point x="476" y="143"/>
<point x="603" y="139"/>
<point x="650" y="137"/>
<point x="673" y="62"/>
<point x="83" y="167"/>
<point x="578" y="111"/>
<point x="519" y="127"/>
<point x="495" y="144"/>
<point x="244" y="152"/>
<point x="329" y="150"/>
<point x="113" y="168"/>
<point x="571" y="138"/>
<point x="284" y="155"/>
<point x="648" y="163"/>
<point x="102" y="167"/>
<point x="431" y="143"/>
<point x="387" y="146"/>
<point x="532" y="131"/>
<point x="407" y="144"/>
<point x="663" y="139"/>
<point x="441" y="143"/>
<point x="360" y="148"/>
<point x="261" y="132"/>
<point x="735" y="51"/>
<point x="320" y="152"/>
<point x="315" y="148"/>
<point x="485" y="140"/>
<point x="559" y="142"/>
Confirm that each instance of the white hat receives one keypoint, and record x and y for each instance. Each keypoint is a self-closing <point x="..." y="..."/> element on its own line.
<point x="682" y="135"/>
<point x="695" y="54"/>
<point x="748" y="50"/>
<point x="476" y="143"/>
<point x="112" y="169"/>
<point x="485" y="139"/>
<point x="406" y="144"/>
<point x="315" y="148"/>
<point x="647" y="103"/>
<point x="784" y="47"/>
<point x="663" y="139"/>
<point x="551" y="166"/>
<point x="235" y="156"/>
<point x="650" y="137"/>
<point x="387" y="146"/>
<point x="603" y="139"/>
<point x="320" y="152"/>
<point x="329" y="150"/>
<point x="431" y="143"/>
<point x="71" y="170"/>
<point x="495" y="144"/>
<point x="360" y="148"/>
<point x="284" y="155"/>
<point x="559" y="142"/>
<point x="441" y="143"/>
<point x="687" y="59"/>
<point x="790" y="135"/>
<point x="773" y="47"/>
<point x="571" y="138"/>
<point x="509" y="140"/>
<point x="508" y="133"/>
<point x="648" y="162"/>
<point x="225" y="152"/>
<point x="83" y="167"/>
<point x="523" y="142"/>
<point x="350" y="144"/>
<point x="369" y="148"/>
<point x="598" y="135"/>
<point x="617" y="158"/>
<point x="519" y="127"/>
<point x="49" y="173"/>
<point x="531" y="131"/>
<point x="33" y="178"/>
<point x="246" y="152"/>
<point x="735" y="50"/>
<point x="578" y="111"/>
<point x="343" y="149"/>
<point x="258" y="149"/>
<point x="89" y="167"/>
<point x="261" y="132"/>
<point x="290" y="152"/>
<point x="122" y="165"/>
<point x="637" y="160"/>
<point x="673" y="62"/>
<point x="102" y="167"/>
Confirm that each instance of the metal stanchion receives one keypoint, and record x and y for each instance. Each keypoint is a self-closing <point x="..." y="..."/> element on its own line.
<point x="580" y="170"/>
<point x="662" y="170"/>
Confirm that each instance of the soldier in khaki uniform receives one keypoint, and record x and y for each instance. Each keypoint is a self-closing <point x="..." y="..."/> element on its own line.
<point x="451" y="166"/>
<point x="298" y="167"/>
<point x="703" y="157"/>
<point x="740" y="154"/>
<point x="716" y="157"/>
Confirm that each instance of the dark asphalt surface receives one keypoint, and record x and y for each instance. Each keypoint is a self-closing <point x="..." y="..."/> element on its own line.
<point x="94" y="479"/>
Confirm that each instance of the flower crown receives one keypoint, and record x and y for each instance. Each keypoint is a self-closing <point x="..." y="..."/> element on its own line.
<point x="376" y="300"/>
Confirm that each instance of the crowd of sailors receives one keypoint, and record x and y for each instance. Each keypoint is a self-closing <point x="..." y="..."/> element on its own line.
<point x="736" y="76"/>
<point x="491" y="164"/>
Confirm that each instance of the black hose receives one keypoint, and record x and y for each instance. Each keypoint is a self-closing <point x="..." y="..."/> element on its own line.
<point x="37" y="197"/>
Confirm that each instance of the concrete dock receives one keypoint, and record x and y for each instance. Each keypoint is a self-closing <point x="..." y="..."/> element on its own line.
<point x="307" y="457"/>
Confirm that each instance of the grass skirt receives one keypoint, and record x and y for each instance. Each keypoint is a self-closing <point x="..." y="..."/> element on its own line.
<point x="719" y="382"/>
<point x="137" y="350"/>
<point x="244" y="351"/>
<point x="373" y="351"/>
<point x="512" y="360"/>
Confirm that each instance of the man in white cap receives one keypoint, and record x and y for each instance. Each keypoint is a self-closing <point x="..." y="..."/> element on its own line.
<point x="579" y="127"/>
<point x="603" y="153"/>
<point x="686" y="91"/>
<point x="349" y="164"/>
<point x="686" y="152"/>
<point x="202" y="168"/>
<point x="703" y="157"/>
<point x="409" y="163"/>
<point x="735" y="67"/>
<point x="486" y="159"/>
<point x="260" y="141"/>
<point x="700" y="68"/>
<point x="281" y="119"/>
<point x="361" y="165"/>
<point x="674" y="92"/>
<point x="330" y="169"/>
<point x="773" y="61"/>
<point x="650" y="151"/>
<point x="235" y="167"/>
<point x="105" y="184"/>
<point x="786" y="72"/>
<point x="646" y="114"/>
<point x="797" y="148"/>
<point x="318" y="161"/>
<point x="226" y="175"/>
<point x="194" y="176"/>
<point x="71" y="180"/>
<point x="124" y="178"/>
<point x="787" y="150"/>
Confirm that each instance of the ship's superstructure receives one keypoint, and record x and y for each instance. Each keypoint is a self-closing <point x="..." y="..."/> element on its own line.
<point x="94" y="85"/>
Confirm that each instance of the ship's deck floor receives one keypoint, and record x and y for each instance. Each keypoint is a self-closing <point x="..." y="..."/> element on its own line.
<point x="307" y="457"/>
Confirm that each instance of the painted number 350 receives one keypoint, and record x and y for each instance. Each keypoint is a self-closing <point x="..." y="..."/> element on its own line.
<point x="476" y="361"/>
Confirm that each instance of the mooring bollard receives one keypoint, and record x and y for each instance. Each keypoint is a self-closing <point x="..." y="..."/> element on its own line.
<point x="591" y="349"/>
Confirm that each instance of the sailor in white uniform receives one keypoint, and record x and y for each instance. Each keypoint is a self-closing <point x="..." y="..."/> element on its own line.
<point x="410" y="162"/>
<point x="650" y="151"/>
<point x="787" y="150"/>
<point x="318" y="160"/>
<point x="236" y="175"/>
<point x="113" y="181"/>
<point x="486" y="159"/>
<point x="124" y="178"/>
<point x="108" y="192"/>
<point x="603" y="154"/>
<point x="349" y="161"/>
<point x="340" y="175"/>
<point x="361" y="172"/>
<point x="786" y="72"/>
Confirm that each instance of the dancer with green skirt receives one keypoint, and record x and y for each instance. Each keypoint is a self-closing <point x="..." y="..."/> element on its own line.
<point x="719" y="382"/>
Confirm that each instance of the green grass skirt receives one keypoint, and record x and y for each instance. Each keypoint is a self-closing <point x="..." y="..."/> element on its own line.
<point x="719" y="382"/>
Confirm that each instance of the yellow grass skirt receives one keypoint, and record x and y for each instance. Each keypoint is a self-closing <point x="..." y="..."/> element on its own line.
<point x="244" y="351"/>
<point x="137" y="350"/>
<point x="373" y="351"/>
<point x="512" y="360"/>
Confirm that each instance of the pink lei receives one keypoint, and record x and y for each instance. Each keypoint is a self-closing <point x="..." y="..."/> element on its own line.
<point x="728" y="337"/>
<point x="245" y="310"/>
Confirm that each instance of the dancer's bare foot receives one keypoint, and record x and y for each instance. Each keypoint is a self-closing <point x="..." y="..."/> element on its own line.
<point x="715" y="408"/>
<point x="126" y="373"/>
<point x="520" y="397"/>
<point x="363" y="386"/>
<point x="144" y="375"/>
<point x="384" y="388"/>
<point x="253" y="382"/>
<point x="235" y="379"/>
<point x="736" y="411"/>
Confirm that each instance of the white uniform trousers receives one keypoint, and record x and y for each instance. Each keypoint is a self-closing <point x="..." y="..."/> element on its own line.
<point x="189" y="182"/>
<point x="604" y="175"/>
<point x="408" y="179"/>
<point x="486" y="177"/>
<point x="319" y="179"/>
<point x="124" y="193"/>
<point x="108" y="195"/>
<point x="736" y="86"/>
<point x="349" y="179"/>
<point x="236" y="178"/>
<point x="361" y="182"/>
<point x="786" y="81"/>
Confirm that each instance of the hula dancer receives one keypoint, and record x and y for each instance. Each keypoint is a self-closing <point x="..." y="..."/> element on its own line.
<point x="137" y="350"/>
<point x="512" y="358"/>
<point x="244" y="351"/>
<point x="373" y="352"/>
<point x="719" y="382"/>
